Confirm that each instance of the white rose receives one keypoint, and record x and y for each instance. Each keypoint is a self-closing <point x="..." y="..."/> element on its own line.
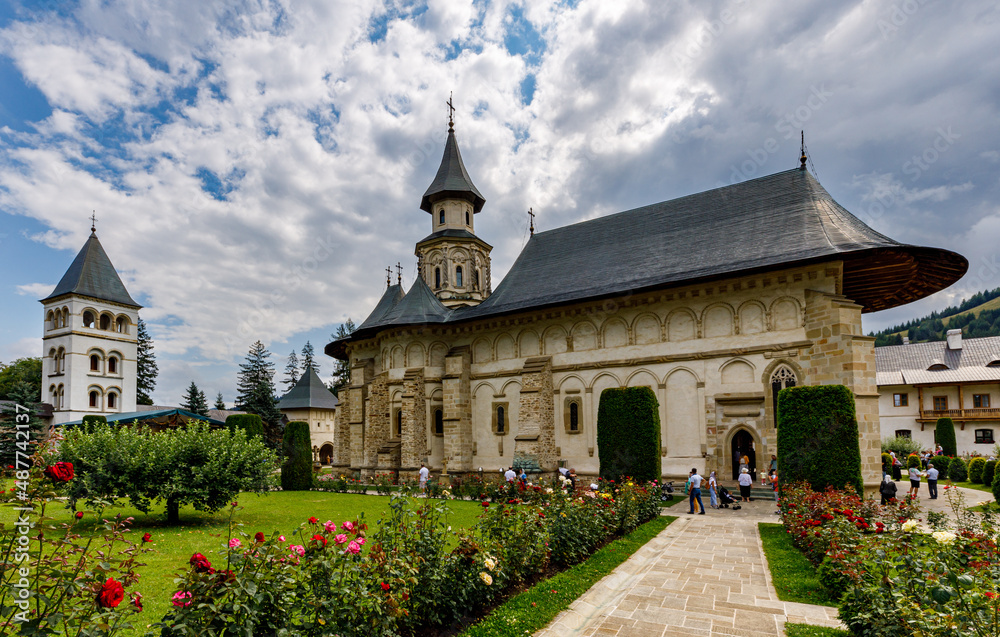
<point x="943" y="537"/>
<point x="909" y="525"/>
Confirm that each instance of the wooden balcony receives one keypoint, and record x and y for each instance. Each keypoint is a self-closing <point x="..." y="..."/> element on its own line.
<point x="970" y="415"/>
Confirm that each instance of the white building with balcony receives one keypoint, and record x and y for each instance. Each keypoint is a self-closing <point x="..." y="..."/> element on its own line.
<point x="918" y="383"/>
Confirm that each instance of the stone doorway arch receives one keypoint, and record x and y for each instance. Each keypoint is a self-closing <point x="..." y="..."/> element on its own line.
<point x="742" y="440"/>
<point x="326" y="453"/>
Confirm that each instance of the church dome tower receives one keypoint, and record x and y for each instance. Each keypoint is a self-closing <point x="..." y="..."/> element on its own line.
<point x="452" y="260"/>
<point x="90" y="339"/>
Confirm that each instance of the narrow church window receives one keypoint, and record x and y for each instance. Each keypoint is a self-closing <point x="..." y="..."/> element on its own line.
<point x="574" y="417"/>
<point x="441" y="215"/>
<point x="94" y="397"/>
<point x="437" y="278"/>
<point x="62" y="397"/>
<point x="51" y="320"/>
<point x="120" y="325"/>
<point x="475" y="279"/>
<point x="500" y="420"/>
<point x="467" y="217"/>
<point x="88" y="319"/>
<point x="438" y="422"/>
<point x="782" y="378"/>
<point x="112" y="400"/>
<point x="112" y="365"/>
<point x="399" y="423"/>
<point x="458" y="276"/>
<point x="105" y="322"/>
<point x="95" y="363"/>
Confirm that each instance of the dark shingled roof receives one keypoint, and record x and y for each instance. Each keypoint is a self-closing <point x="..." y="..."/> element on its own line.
<point x="309" y="393"/>
<point x="452" y="180"/>
<point x="417" y="307"/>
<point x="92" y="274"/>
<point x="777" y="221"/>
<point x="392" y="295"/>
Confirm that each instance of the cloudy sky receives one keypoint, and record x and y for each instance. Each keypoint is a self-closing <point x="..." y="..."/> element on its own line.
<point x="255" y="165"/>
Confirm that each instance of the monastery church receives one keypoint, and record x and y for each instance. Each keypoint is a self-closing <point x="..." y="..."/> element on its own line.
<point x="716" y="301"/>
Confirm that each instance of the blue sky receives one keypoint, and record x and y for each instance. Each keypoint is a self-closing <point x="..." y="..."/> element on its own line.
<point x="255" y="166"/>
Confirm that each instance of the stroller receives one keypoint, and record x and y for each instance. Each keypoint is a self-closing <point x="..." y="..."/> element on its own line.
<point x="725" y="499"/>
<point x="666" y="491"/>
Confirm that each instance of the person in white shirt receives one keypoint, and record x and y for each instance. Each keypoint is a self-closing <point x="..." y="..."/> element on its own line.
<point x="695" y="481"/>
<point x="713" y="487"/>
<point x="509" y="475"/>
<point x="423" y="473"/>
<point x="746" y="481"/>
<point x="932" y="478"/>
<point x="914" y="482"/>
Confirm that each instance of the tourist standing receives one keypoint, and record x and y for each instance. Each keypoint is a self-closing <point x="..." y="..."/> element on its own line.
<point x="897" y="467"/>
<point x="713" y="487"/>
<point x="914" y="482"/>
<point x="887" y="489"/>
<point x="746" y="481"/>
<point x="695" y="481"/>
<point x="509" y="474"/>
<point x="423" y="474"/>
<point x="932" y="478"/>
<point x="774" y="484"/>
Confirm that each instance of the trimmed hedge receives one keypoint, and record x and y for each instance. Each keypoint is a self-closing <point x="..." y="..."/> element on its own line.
<point x="886" y="463"/>
<point x="989" y="470"/>
<point x="944" y="435"/>
<point x="958" y="471"/>
<point x="296" y="448"/>
<point x="942" y="464"/>
<point x="252" y="424"/>
<point x="996" y="486"/>
<point x="628" y="434"/>
<point x="976" y="470"/>
<point x="818" y="437"/>
<point x="912" y="460"/>
<point x="91" y="422"/>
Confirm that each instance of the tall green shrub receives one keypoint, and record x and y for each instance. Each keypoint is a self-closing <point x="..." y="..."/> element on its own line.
<point x="296" y="469"/>
<point x="250" y="423"/>
<point x="818" y="437"/>
<point x="976" y="470"/>
<point x="944" y="435"/>
<point x="996" y="486"/>
<point x="989" y="469"/>
<point x="886" y="463"/>
<point x="628" y="433"/>
<point x="958" y="471"/>
<point x="91" y="422"/>
<point x="941" y="463"/>
<point x="912" y="460"/>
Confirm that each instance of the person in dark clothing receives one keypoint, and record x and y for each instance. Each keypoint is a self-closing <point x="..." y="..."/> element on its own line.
<point x="887" y="489"/>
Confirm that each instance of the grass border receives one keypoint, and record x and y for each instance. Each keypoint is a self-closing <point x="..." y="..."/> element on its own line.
<point x="533" y="609"/>
<point x="793" y="576"/>
<point x="805" y="630"/>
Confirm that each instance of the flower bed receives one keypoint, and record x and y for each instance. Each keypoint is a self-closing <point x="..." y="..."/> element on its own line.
<point x="893" y="578"/>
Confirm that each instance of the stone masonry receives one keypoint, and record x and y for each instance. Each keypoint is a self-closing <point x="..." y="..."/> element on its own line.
<point x="354" y="424"/>
<point x="414" y="441"/>
<point x="535" y="445"/>
<point x="457" y="410"/>
<point x="376" y="432"/>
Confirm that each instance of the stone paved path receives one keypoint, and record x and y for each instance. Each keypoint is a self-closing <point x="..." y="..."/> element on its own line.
<point x="703" y="576"/>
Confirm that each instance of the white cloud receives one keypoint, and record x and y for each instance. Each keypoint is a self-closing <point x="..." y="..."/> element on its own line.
<point x="37" y="290"/>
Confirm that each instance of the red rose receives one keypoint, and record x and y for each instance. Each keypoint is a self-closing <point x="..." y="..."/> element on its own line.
<point x="137" y="602"/>
<point x="79" y="514"/>
<point x="258" y="537"/>
<point x="60" y="471"/>
<point x="320" y="539"/>
<point x="385" y="586"/>
<point x="200" y="563"/>
<point x="112" y="593"/>
<point x="226" y="576"/>
<point x="146" y="537"/>
<point x="313" y="520"/>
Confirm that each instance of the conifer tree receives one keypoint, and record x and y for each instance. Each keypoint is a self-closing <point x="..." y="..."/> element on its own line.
<point x="195" y="401"/>
<point x="307" y="358"/>
<point x="146" y="368"/>
<point x="342" y="369"/>
<point x="292" y="371"/>
<point x="255" y="387"/>
<point x="220" y="404"/>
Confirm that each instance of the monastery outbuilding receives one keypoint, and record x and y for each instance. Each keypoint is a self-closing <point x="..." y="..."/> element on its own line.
<point x="716" y="301"/>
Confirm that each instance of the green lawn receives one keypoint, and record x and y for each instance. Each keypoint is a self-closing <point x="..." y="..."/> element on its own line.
<point x="533" y="609"/>
<point x="203" y="532"/>
<point x="971" y="485"/>
<point x="794" y="577"/>
<point x="805" y="630"/>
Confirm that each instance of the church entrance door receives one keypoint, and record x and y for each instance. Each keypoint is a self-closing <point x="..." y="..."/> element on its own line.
<point x="742" y="445"/>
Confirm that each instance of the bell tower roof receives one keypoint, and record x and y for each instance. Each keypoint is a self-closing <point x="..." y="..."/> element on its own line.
<point x="452" y="180"/>
<point x="92" y="274"/>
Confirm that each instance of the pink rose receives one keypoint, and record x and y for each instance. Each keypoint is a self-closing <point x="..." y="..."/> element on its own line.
<point x="353" y="548"/>
<point x="235" y="543"/>
<point x="295" y="548"/>
<point x="361" y="541"/>
<point x="340" y="539"/>
<point x="348" y="526"/>
<point x="180" y="599"/>
<point x="281" y="538"/>
<point x="329" y="526"/>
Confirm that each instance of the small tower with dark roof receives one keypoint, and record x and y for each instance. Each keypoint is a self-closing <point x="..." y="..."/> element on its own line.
<point x="452" y="260"/>
<point x="90" y="339"/>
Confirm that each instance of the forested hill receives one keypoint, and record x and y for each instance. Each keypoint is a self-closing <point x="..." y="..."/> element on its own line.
<point x="977" y="317"/>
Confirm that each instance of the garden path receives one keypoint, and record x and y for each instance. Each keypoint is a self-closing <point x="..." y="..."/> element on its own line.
<point x="703" y="576"/>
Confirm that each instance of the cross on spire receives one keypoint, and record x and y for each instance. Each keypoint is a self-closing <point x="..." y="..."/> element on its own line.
<point x="531" y="214"/>
<point x="388" y="276"/>
<point x="451" y="113"/>
<point x="399" y="273"/>
<point x="93" y="221"/>
<point x="803" y="158"/>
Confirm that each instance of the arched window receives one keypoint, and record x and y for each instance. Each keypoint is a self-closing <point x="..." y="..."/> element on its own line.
<point x="574" y="416"/>
<point x="65" y="317"/>
<point x="61" y="400"/>
<point x="94" y="399"/>
<point x="51" y="320"/>
<point x="61" y="357"/>
<point x="439" y="422"/>
<point x="399" y="423"/>
<point x="467" y="218"/>
<point x="55" y="362"/>
<point x="106" y="321"/>
<point x="501" y="423"/>
<point x="437" y="278"/>
<point x="458" y="276"/>
<point x="441" y="215"/>
<point x="121" y="325"/>
<point x="88" y="319"/>
<point x="113" y="365"/>
<point x="95" y="363"/>
<point x="112" y="400"/>
<point x="781" y="378"/>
